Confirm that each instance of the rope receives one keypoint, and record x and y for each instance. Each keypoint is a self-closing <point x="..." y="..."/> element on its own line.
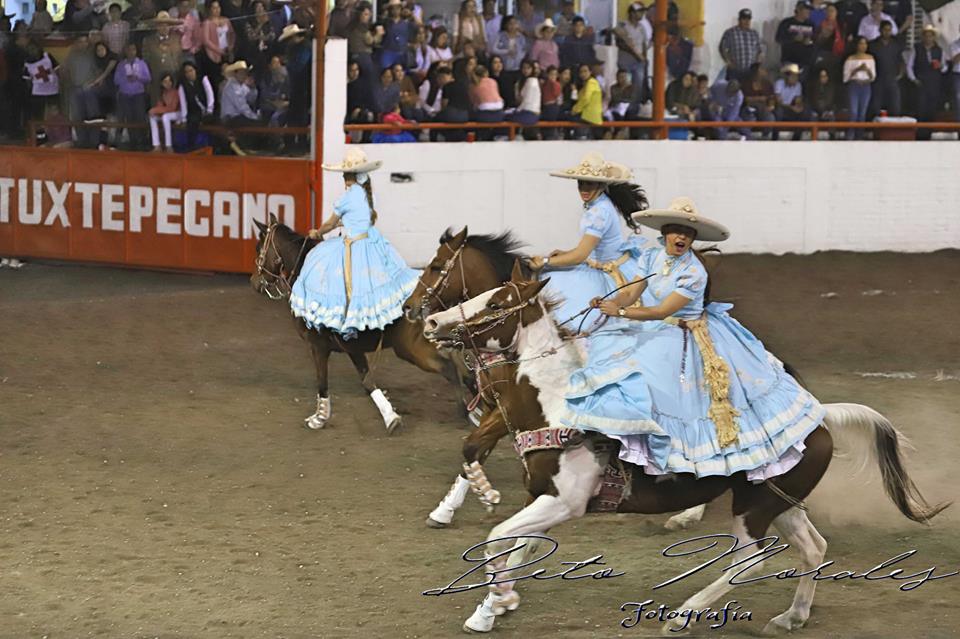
<point x="790" y="499"/>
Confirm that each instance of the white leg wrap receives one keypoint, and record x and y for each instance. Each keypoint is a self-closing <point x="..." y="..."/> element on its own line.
<point x="320" y="418"/>
<point x="443" y="513"/>
<point x="481" y="485"/>
<point x="483" y="617"/>
<point x="390" y="417"/>
<point x="686" y="519"/>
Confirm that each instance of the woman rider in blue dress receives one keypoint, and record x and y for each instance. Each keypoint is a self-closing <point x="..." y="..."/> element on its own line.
<point x="689" y="389"/>
<point x="602" y="260"/>
<point x="358" y="281"/>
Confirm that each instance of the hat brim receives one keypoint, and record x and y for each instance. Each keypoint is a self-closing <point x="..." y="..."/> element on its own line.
<point x="371" y="165"/>
<point x="707" y="230"/>
<point x="291" y="34"/>
<point x="573" y="174"/>
<point x="539" y="30"/>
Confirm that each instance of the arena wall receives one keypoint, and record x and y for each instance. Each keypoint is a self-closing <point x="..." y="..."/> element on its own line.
<point x="776" y="197"/>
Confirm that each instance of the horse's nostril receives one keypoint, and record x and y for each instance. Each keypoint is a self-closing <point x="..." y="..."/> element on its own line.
<point x="432" y="326"/>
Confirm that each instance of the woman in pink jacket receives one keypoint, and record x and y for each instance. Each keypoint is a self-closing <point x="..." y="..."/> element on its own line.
<point x="217" y="40"/>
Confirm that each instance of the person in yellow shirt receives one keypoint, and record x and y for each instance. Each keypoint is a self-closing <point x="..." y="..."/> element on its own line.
<point x="589" y="105"/>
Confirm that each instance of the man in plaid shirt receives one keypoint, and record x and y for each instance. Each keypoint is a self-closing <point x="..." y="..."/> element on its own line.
<point x="741" y="47"/>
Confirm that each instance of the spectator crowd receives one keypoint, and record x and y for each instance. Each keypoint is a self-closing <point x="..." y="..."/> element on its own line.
<point x="167" y="66"/>
<point x="849" y="60"/>
<point x="156" y="64"/>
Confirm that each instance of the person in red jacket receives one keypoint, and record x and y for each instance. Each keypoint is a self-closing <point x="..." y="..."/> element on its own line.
<point x="167" y="111"/>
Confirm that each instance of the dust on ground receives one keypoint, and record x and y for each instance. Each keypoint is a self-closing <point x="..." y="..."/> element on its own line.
<point x="156" y="480"/>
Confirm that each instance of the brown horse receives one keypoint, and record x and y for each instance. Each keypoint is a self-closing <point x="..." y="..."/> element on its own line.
<point x="465" y="266"/>
<point x="280" y="256"/>
<point x="564" y="477"/>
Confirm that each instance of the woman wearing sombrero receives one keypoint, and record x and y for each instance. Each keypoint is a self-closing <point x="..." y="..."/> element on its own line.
<point x="602" y="260"/>
<point x="689" y="390"/>
<point x="357" y="281"/>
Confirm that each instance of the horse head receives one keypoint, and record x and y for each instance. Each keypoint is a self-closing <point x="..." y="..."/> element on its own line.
<point x="433" y="290"/>
<point x="492" y="320"/>
<point x="279" y="251"/>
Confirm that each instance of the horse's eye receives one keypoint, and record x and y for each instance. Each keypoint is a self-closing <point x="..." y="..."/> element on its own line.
<point x="493" y="306"/>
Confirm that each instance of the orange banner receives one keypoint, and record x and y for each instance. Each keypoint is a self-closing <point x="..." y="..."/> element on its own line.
<point x="184" y="212"/>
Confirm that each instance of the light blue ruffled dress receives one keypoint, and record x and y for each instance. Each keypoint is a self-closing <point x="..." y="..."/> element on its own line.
<point x="631" y="387"/>
<point x="576" y="286"/>
<point x="380" y="280"/>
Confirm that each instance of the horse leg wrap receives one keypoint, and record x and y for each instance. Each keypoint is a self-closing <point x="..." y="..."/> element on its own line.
<point x="320" y="418"/>
<point x="481" y="485"/>
<point x="390" y="417"/>
<point x="443" y="513"/>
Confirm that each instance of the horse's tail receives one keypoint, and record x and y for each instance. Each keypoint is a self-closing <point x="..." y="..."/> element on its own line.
<point x="869" y="437"/>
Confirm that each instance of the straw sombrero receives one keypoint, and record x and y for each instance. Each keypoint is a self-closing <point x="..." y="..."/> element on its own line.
<point x="355" y="161"/>
<point x="290" y="31"/>
<point x="593" y="168"/>
<point x="239" y="65"/>
<point x="163" y="18"/>
<point x="543" y="26"/>
<point x="684" y="212"/>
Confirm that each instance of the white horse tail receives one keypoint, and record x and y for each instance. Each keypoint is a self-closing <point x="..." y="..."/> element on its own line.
<point x="867" y="436"/>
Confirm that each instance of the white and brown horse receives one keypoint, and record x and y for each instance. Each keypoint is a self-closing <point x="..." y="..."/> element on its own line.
<point x="562" y="481"/>
<point x="464" y="266"/>
<point x="280" y="256"/>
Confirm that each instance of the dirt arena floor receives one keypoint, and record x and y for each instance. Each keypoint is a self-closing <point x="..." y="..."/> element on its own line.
<point x="156" y="479"/>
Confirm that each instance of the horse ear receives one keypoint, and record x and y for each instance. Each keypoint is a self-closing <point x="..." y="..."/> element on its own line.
<point x="461" y="236"/>
<point x="535" y="287"/>
<point x="260" y="225"/>
<point x="516" y="275"/>
<point x="273" y="219"/>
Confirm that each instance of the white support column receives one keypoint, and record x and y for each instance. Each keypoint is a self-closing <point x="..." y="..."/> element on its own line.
<point x="334" y="113"/>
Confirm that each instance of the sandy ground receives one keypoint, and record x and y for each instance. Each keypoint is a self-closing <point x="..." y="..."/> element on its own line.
<point x="156" y="480"/>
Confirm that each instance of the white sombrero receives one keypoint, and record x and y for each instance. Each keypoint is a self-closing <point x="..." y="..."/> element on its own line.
<point x="543" y="26"/>
<point x="290" y="31"/>
<point x="355" y="161"/>
<point x="239" y="65"/>
<point x="683" y="211"/>
<point x="593" y="168"/>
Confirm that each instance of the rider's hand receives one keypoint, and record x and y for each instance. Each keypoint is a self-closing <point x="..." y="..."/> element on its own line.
<point x="609" y="307"/>
<point x="595" y="302"/>
<point x="314" y="234"/>
<point x="536" y="263"/>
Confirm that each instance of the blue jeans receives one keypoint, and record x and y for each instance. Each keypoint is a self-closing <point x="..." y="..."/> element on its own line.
<point x="859" y="96"/>
<point x="638" y="79"/>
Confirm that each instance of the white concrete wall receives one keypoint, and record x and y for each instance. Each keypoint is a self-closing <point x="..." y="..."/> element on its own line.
<point x="776" y="197"/>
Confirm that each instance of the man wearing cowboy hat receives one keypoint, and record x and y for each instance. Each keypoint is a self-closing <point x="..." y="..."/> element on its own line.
<point x="545" y="51"/>
<point x="238" y="99"/>
<point x="632" y="49"/>
<point x="162" y="50"/>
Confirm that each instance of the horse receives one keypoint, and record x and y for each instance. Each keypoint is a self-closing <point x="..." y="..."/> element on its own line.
<point x="567" y="470"/>
<point x="280" y="256"/>
<point x="466" y="264"/>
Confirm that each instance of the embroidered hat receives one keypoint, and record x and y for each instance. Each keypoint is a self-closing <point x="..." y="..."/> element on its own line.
<point x="355" y="161"/>
<point x="593" y="168"/>
<point x="684" y="212"/>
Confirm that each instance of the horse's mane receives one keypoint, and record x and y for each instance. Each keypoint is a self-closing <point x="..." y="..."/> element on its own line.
<point x="302" y="243"/>
<point x="502" y="249"/>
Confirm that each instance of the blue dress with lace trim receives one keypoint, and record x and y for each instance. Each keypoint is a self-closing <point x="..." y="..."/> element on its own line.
<point x="379" y="278"/>
<point x="641" y="387"/>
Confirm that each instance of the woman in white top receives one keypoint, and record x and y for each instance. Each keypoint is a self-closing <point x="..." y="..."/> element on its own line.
<point x="421" y="54"/>
<point x="859" y="72"/>
<point x="528" y="97"/>
<point x="439" y="49"/>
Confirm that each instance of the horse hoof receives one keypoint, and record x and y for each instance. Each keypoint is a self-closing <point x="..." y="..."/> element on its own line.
<point x="481" y="620"/>
<point x="314" y="422"/>
<point x="394" y="424"/>
<point x="782" y="624"/>
<point x="433" y="523"/>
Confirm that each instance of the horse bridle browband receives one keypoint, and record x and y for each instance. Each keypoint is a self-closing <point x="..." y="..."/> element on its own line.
<point x="443" y="280"/>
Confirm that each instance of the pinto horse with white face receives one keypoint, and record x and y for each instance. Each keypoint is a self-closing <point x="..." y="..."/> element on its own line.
<point x="565" y="477"/>
<point x="463" y="266"/>
<point x="280" y="255"/>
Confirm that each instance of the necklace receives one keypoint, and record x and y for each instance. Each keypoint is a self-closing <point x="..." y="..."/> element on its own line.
<point x="668" y="265"/>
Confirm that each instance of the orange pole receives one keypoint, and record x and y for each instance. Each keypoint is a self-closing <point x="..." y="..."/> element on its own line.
<point x="660" y="67"/>
<point x="320" y="35"/>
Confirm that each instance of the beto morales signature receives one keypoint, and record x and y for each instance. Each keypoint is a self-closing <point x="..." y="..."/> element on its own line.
<point x="497" y="572"/>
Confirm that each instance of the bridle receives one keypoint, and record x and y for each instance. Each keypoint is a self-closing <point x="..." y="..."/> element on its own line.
<point x="280" y="284"/>
<point x="443" y="280"/>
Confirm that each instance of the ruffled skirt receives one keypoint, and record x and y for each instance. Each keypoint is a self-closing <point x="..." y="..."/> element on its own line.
<point x="380" y="282"/>
<point x="631" y="390"/>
